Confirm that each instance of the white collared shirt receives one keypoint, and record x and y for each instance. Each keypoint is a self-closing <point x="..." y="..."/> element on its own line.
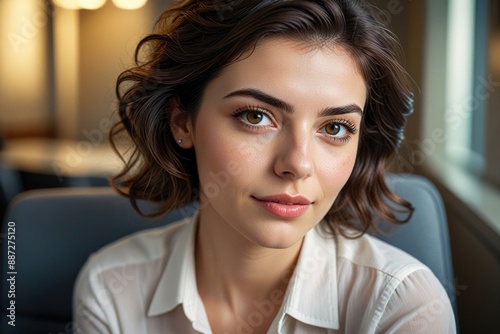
<point x="146" y="283"/>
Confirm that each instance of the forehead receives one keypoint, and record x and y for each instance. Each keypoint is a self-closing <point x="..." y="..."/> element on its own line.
<point x="293" y="69"/>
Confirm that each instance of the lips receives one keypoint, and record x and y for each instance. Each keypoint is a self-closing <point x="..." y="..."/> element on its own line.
<point x="284" y="205"/>
<point x="286" y="199"/>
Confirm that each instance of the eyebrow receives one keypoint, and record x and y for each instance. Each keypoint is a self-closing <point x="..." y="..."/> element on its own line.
<point x="348" y="109"/>
<point x="261" y="96"/>
<point x="280" y="104"/>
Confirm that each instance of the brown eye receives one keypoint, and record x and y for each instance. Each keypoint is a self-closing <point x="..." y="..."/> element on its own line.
<point x="254" y="117"/>
<point x="338" y="131"/>
<point x="333" y="129"/>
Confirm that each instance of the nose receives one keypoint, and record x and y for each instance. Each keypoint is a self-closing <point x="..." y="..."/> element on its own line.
<point x="294" y="159"/>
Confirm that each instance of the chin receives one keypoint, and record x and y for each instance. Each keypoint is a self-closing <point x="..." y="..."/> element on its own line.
<point x="278" y="238"/>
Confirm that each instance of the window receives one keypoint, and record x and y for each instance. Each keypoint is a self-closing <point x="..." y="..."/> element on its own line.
<point x="459" y="138"/>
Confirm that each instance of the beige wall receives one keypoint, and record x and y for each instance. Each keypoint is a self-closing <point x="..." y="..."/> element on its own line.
<point x="90" y="49"/>
<point x="24" y="73"/>
<point x="108" y="37"/>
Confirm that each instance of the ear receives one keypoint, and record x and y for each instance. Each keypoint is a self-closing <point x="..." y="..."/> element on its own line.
<point x="180" y="125"/>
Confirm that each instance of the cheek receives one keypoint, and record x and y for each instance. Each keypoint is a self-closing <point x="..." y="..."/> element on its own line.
<point x="225" y="155"/>
<point x="336" y="170"/>
<point x="218" y="157"/>
<point x="347" y="166"/>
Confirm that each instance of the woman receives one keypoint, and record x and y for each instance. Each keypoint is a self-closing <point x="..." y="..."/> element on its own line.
<point x="279" y="117"/>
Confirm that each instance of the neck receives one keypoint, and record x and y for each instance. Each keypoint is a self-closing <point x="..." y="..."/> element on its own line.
<point x="232" y="270"/>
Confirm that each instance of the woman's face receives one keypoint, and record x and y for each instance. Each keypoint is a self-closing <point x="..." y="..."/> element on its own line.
<point x="276" y="139"/>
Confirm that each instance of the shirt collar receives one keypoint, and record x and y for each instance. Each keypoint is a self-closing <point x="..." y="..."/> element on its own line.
<point x="312" y="296"/>
<point x="314" y="280"/>
<point x="177" y="284"/>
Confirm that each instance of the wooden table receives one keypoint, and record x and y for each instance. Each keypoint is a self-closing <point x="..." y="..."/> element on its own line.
<point x="62" y="158"/>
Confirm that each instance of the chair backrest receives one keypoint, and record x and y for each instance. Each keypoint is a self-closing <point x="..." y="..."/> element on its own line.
<point x="426" y="235"/>
<point x="55" y="232"/>
<point x="57" y="229"/>
<point x="11" y="184"/>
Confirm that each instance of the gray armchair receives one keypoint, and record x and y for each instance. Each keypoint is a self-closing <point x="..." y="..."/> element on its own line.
<point x="57" y="229"/>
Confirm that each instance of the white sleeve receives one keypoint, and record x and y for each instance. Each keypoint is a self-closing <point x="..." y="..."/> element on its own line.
<point x="89" y="300"/>
<point x="418" y="305"/>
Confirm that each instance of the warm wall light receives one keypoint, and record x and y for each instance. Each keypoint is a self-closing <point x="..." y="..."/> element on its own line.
<point x="129" y="4"/>
<point x="91" y="4"/>
<point x="67" y="4"/>
<point x="96" y="4"/>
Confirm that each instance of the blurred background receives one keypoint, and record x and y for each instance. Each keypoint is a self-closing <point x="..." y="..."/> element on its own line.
<point x="58" y="64"/>
<point x="59" y="61"/>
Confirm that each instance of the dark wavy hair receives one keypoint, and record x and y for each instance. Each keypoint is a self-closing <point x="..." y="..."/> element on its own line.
<point x="194" y="40"/>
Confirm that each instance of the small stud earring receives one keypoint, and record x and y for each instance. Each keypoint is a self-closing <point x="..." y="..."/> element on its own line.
<point x="180" y="141"/>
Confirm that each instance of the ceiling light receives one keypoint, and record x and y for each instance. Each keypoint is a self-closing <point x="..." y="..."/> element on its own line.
<point x="129" y="4"/>
<point x="67" y="4"/>
<point x="91" y="4"/>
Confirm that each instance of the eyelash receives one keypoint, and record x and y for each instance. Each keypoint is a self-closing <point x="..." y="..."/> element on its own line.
<point x="242" y="111"/>
<point x="350" y="127"/>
